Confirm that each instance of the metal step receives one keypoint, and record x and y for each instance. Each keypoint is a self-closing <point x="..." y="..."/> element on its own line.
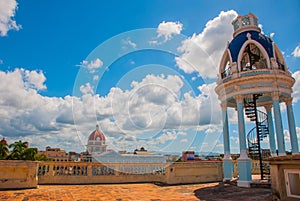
<point x="250" y="115"/>
<point x="249" y="109"/>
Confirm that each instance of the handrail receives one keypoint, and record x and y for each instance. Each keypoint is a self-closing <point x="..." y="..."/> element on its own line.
<point x="227" y="72"/>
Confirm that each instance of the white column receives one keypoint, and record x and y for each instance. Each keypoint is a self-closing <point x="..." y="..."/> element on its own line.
<point x="244" y="164"/>
<point x="227" y="161"/>
<point x="271" y="130"/>
<point x="292" y="126"/>
<point x="278" y="124"/>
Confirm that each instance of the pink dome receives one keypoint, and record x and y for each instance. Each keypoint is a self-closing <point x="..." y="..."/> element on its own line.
<point x="97" y="135"/>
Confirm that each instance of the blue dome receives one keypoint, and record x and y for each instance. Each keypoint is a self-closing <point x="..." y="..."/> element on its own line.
<point x="237" y="43"/>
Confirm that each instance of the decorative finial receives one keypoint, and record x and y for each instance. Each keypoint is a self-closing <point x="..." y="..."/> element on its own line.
<point x="97" y="127"/>
<point x="249" y="36"/>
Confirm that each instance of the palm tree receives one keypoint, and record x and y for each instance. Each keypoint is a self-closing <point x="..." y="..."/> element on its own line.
<point x="3" y="150"/>
<point x="29" y="154"/>
<point x="18" y="150"/>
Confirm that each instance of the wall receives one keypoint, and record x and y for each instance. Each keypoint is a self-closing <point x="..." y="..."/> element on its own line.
<point x="278" y="181"/>
<point x="194" y="172"/>
<point x="18" y="174"/>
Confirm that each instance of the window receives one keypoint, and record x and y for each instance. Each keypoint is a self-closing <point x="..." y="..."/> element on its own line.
<point x="253" y="58"/>
<point x="227" y="70"/>
<point x="292" y="182"/>
<point x="279" y="61"/>
<point x="245" y="21"/>
<point x="236" y="24"/>
<point x="255" y="22"/>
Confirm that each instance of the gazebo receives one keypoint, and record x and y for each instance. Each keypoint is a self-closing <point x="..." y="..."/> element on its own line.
<point x="254" y="79"/>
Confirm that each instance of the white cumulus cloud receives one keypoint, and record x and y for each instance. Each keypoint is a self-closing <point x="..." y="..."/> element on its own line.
<point x="35" y="79"/>
<point x="95" y="77"/>
<point x="129" y="42"/>
<point x="167" y="136"/>
<point x="296" y="87"/>
<point x="202" y="52"/>
<point x="168" y="29"/>
<point x="153" y="105"/>
<point x="87" y="89"/>
<point x="296" y="52"/>
<point x="93" y="65"/>
<point x="7" y="12"/>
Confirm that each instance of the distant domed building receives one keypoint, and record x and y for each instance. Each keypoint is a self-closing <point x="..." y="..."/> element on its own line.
<point x="97" y="152"/>
<point x="96" y="142"/>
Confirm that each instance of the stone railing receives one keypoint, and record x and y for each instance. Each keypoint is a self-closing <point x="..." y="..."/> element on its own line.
<point x="89" y="173"/>
<point x="227" y="76"/>
<point x="99" y="169"/>
<point x="23" y="174"/>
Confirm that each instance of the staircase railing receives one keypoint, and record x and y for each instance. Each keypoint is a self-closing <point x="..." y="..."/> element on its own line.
<point x="257" y="133"/>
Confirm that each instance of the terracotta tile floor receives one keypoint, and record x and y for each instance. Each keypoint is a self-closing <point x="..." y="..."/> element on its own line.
<point x="135" y="192"/>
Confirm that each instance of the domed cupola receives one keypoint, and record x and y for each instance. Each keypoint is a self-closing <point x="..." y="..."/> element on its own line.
<point x="97" y="135"/>
<point x="96" y="142"/>
<point x="254" y="79"/>
<point x="254" y="57"/>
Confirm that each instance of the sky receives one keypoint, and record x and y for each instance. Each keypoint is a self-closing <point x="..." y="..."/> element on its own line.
<point x="145" y="71"/>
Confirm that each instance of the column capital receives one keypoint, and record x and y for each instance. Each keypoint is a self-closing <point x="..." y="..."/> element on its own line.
<point x="275" y="95"/>
<point x="239" y="99"/>
<point x="268" y="108"/>
<point x="288" y="101"/>
<point x="223" y="105"/>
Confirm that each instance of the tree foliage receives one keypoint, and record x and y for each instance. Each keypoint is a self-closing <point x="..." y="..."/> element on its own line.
<point x="4" y="151"/>
<point x="20" y="151"/>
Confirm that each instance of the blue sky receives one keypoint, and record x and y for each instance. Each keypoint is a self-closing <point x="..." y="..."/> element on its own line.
<point x="67" y="65"/>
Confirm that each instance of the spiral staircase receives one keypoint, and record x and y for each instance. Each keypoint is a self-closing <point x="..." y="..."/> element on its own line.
<point x="257" y="133"/>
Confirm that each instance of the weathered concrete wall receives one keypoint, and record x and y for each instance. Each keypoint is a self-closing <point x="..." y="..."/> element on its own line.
<point x="278" y="181"/>
<point x="18" y="174"/>
<point x="104" y="179"/>
<point x="194" y="172"/>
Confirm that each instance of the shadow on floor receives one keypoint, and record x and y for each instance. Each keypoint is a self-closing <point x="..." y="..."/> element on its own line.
<point x="230" y="192"/>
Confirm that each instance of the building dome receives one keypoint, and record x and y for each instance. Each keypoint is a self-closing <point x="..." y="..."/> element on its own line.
<point x="97" y="135"/>
<point x="250" y="50"/>
<point x="236" y="44"/>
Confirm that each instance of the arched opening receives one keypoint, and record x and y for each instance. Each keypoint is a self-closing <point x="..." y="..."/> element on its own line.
<point x="279" y="59"/>
<point x="253" y="58"/>
<point x="225" y="66"/>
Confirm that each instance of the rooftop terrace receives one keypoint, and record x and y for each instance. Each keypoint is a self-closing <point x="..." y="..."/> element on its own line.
<point x="149" y="192"/>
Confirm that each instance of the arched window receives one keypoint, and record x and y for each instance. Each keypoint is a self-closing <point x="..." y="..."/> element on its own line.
<point x="279" y="59"/>
<point x="225" y="65"/>
<point x="253" y="58"/>
<point x="227" y="70"/>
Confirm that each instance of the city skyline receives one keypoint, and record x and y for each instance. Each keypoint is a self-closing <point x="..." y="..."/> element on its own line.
<point x="144" y="71"/>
